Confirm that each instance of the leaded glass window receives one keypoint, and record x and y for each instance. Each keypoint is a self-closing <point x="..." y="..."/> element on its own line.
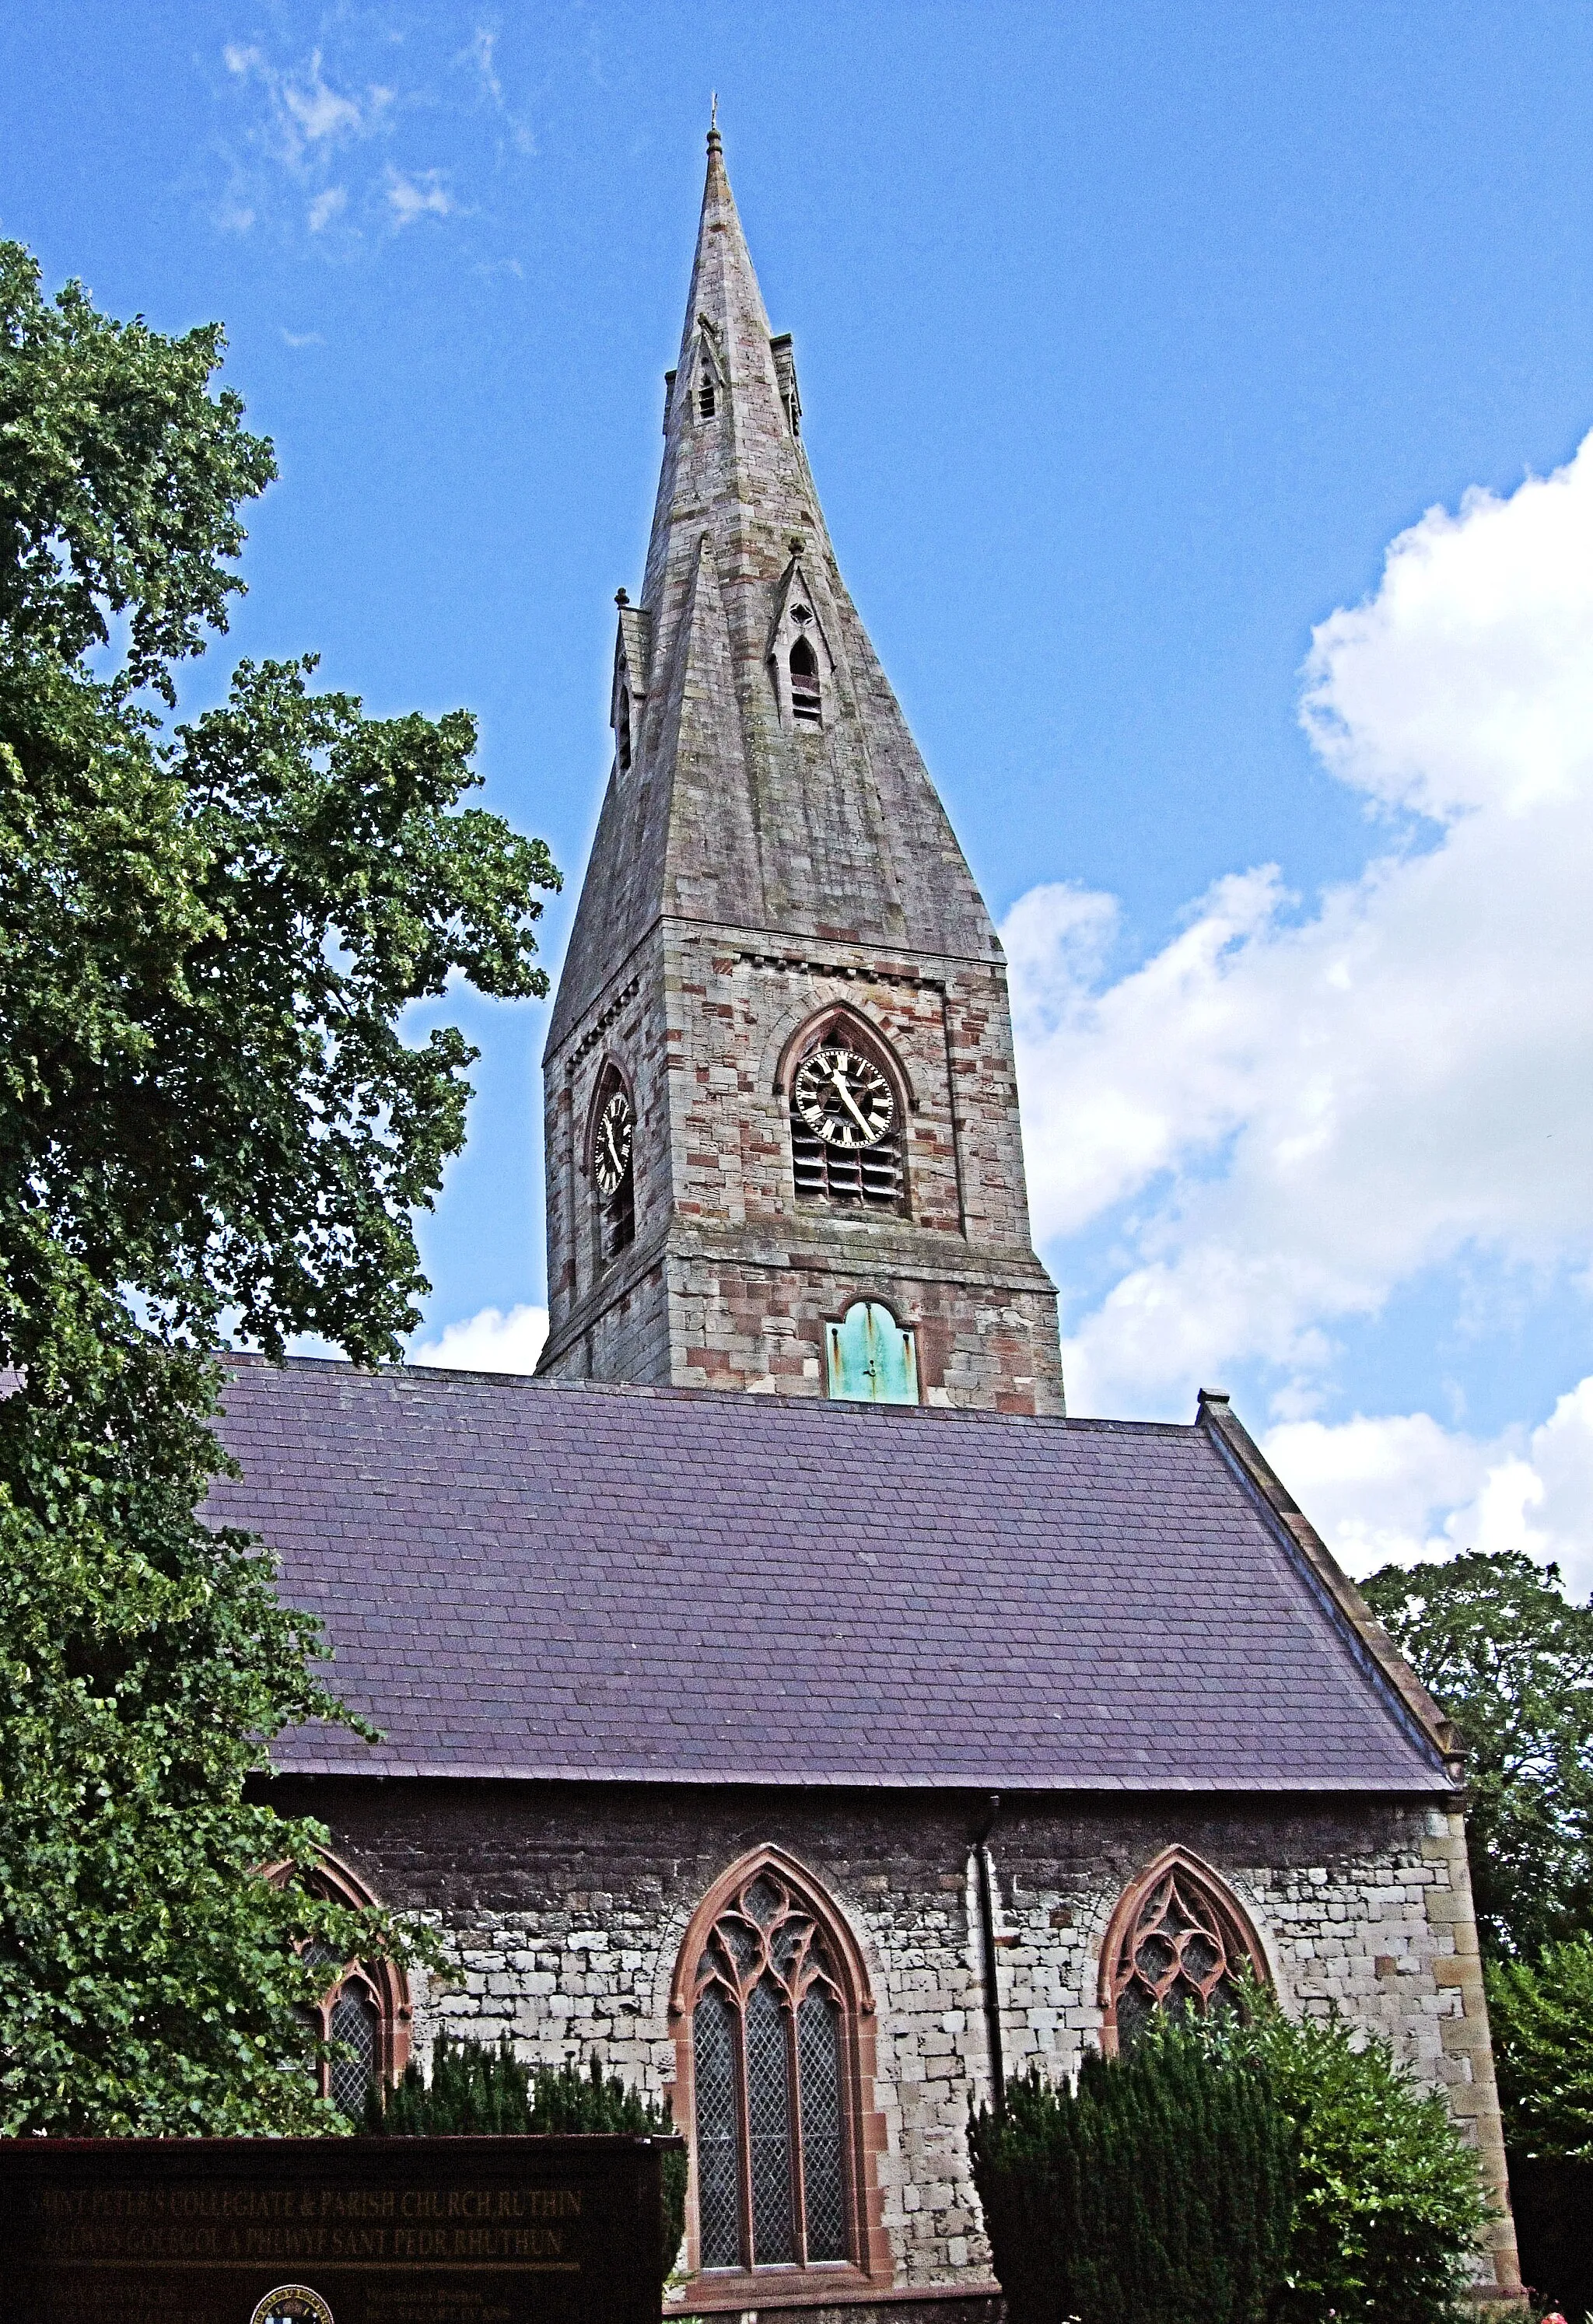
<point x="349" y="2015"/>
<point x="768" y="2050"/>
<point x="1179" y="1943"/>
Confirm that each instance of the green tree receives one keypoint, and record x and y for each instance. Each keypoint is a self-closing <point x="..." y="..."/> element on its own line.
<point x="1541" y="2015"/>
<point x="1494" y="1638"/>
<point x="1388" y="2205"/>
<point x="208" y="1114"/>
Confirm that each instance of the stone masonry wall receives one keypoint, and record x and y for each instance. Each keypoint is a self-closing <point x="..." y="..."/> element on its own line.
<point x="730" y="1280"/>
<point x="564" y="1908"/>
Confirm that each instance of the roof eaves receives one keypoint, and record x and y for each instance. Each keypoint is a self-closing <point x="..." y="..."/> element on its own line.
<point x="855" y="1779"/>
<point x="1422" y="1719"/>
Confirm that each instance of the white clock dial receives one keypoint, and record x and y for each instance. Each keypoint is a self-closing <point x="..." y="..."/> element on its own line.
<point x="610" y="1151"/>
<point x="842" y="1098"/>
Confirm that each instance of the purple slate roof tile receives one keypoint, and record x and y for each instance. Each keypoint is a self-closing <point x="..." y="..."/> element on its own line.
<point x="523" y="1580"/>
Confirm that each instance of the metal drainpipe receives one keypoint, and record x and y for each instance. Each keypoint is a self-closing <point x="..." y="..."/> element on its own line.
<point x="987" y="1924"/>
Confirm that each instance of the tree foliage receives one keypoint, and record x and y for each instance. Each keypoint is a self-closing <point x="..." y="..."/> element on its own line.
<point x="490" y="2093"/>
<point x="208" y="1114"/>
<point x="1160" y="2188"/>
<point x="1241" y="2159"/>
<point x="1541" y="2013"/>
<point x="1494" y="1637"/>
<point x="1388" y="2205"/>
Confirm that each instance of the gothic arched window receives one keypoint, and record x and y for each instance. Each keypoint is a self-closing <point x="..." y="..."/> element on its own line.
<point x="1179" y="1940"/>
<point x="806" y="700"/>
<point x="622" y="730"/>
<point x="364" y="2010"/>
<point x="848" y="1109"/>
<point x="610" y="1158"/>
<point x="769" y="1996"/>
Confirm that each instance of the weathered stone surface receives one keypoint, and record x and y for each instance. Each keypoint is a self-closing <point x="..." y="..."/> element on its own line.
<point x="564" y="1907"/>
<point x="749" y="871"/>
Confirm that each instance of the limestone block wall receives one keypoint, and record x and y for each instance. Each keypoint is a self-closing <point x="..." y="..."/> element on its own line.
<point x="564" y="1909"/>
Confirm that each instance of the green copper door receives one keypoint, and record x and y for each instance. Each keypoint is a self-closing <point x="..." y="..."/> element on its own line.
<point x="872" y="1360"/>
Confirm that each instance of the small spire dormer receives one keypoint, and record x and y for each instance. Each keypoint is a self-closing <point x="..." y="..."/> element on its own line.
<point x="784" y="371"/>
<point x="628" y="691"/>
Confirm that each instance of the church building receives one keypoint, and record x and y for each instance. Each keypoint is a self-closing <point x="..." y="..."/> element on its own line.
<point x="783" y="1700"/>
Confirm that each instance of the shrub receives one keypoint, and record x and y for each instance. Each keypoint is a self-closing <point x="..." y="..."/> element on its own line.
<point x="1160" y="2189"/>
<point x="484" y="2092"/>
<point x="1388" y="2204"/>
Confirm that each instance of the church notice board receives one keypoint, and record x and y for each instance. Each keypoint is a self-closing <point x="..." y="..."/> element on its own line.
<point x="330" y="2230"/>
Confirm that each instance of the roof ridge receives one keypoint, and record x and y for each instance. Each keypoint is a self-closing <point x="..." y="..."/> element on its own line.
<point x="677" y="1392"/>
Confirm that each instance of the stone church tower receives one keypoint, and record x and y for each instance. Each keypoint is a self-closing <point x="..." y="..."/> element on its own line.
<point x="782" y="1131"/>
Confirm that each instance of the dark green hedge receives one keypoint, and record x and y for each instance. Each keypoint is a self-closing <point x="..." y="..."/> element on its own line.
<point x="484" y="2092"/>
<point x="1161" y="2190"/>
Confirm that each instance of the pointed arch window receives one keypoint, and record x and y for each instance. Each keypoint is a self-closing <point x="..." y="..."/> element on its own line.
<point x="610" y="1161"/>
<point x="1179" y="1940"/>
<point x="622" y="730"/>
<point x="364" y="2010"/>
<point x="770" y="1997"/>
<point x="847" y="1107"/>
<point x="806" y="697"/>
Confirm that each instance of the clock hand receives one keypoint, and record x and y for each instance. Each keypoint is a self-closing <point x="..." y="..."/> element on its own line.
<point x="838" y="1076"/>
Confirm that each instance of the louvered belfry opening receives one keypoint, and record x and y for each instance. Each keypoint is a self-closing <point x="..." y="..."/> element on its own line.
<point x="806" y="700"/>
<point x="768" y="2048"/>
<point x="871" y="1177"/>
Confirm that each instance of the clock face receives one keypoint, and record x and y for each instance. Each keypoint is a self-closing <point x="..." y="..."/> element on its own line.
<point x="610" y="1152"/>
<point x="842" y="1098"/>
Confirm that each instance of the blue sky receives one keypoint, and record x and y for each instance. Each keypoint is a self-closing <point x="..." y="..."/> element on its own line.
<point x="1132" y="339"/>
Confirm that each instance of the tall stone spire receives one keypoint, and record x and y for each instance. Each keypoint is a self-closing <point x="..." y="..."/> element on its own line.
<point x="770" y="847"/>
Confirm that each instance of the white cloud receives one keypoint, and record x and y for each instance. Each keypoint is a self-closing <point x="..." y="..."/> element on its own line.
<point x="419" y="195"/>
<point x="303" y="339"/>
<point x="481" y="51"/>
<point x="328" y="204"/>
<point x="490" y="1342"/>
<point x="1284" y="1118"/>
<point x="303" y="111"/>
<point x="1394" y="1490"/>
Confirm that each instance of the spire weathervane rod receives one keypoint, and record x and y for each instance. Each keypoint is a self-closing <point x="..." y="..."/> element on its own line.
<point x="714" y="118"/>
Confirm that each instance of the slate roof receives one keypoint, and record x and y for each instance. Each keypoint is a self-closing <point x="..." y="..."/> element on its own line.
<point x="526" y="1580"/>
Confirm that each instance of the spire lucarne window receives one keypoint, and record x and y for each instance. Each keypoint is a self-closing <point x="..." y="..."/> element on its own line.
<point x="806" y="702"/>
<point x="770" y="2014"/>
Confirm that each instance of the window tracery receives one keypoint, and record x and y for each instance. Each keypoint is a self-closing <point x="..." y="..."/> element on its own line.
<point x="771" y="1996"/>
<point x="1178" y="1940"/>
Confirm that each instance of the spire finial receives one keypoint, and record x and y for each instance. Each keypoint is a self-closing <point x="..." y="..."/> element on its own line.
<point x="714" y="139"/>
